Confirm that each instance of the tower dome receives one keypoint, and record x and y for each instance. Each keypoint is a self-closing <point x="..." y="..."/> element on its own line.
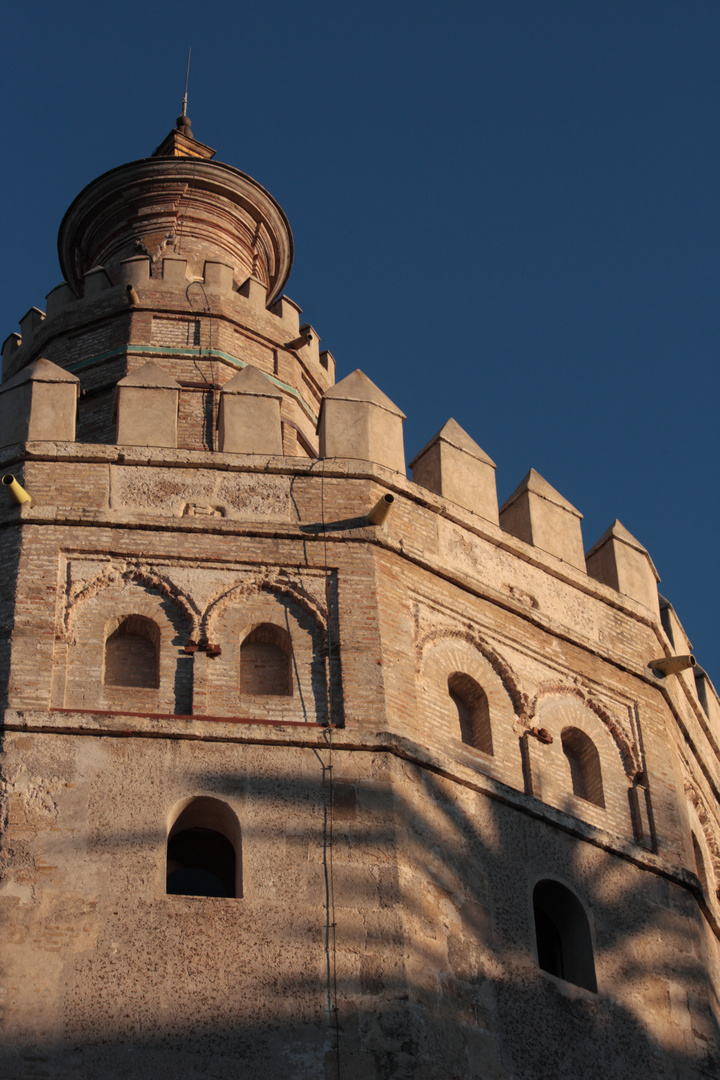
<point x="177" y="260"/>
<point x="181" y="202"/>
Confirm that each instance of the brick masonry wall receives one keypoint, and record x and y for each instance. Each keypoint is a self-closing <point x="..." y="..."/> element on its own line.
<point x="93" y="329"/>
<point x="436" y="846"/>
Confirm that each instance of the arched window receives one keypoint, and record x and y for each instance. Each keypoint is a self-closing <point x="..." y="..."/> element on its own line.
<point x="131" y="653"/>
<point x="204" y="851"/>
<point x="562" y="932"/>
<point x="700" y="865"/>
<point x="265" y="661"/>
<point x="584" y="762"/>
<point x="473" y="711"/>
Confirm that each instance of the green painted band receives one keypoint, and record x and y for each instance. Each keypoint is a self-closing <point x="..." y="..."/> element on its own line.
<point x="210" y="354"/>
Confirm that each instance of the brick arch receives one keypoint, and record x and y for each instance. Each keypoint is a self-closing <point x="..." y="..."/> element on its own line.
<point x="118" y="593"/>
<point x="453" y="660"/>
<point x="125" y="575"/>
<point x="497" y="663"/>
<point x="243" y="589"/>
<point x="706" y="823"/>
<point x="627" y="751"/>
<point x="269" y="599"/>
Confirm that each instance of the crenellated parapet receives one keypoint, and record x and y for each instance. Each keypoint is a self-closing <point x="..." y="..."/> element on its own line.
<point x="154" y="405"/>
<point x="202" y="329"/>
<point x="171" y="331"/>
<point x="453" y="465"/>
<point x="359" y="421"/>
<point x="39" y="403"/>
<point x="619" y="560"/>
<point x="540" y="515"/>
<point x="250" y="415"/>
<point x="147" y="408"/>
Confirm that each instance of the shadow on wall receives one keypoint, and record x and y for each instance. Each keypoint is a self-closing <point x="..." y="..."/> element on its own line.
<point x="9" y="559"/>
<point x="435" y="966"/>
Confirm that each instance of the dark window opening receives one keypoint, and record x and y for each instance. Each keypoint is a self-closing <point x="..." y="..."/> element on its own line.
<point x="700" y="865"/>
<point x="584" y="762"/>
<point x="473" y="711"/>
<point x="204" y="851"/>
<point x="666" y="611"/>
<point x="200" y="862"/>
<point x="549" y="945"/>
<point x="265" y="661"/>
<point x="562" y="932"/>
<point x="701" y="687"/>
<point x="132" y="654"/>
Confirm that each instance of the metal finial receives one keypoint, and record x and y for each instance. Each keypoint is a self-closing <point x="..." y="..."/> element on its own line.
<point x="183" y="121"/>
<point x="187" y="79"/>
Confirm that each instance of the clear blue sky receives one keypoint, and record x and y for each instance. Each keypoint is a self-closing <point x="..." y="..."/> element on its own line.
<point x="504" y="211"/>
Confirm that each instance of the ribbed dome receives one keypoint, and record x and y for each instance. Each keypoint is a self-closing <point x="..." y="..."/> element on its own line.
<point x="180" y="203"/>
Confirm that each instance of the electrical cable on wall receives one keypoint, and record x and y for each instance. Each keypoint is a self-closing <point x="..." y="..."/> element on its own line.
<point x="330" y="921"/>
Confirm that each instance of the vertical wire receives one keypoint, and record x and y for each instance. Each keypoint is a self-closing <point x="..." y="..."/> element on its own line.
<point x="331" y="937"/>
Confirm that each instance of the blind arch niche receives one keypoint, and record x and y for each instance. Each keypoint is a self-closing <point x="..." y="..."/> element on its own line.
<point x="265" y="661"/>
<point x="584" y="761"/>
<point x="473" y="711"/>
<point x="132" y="652"/>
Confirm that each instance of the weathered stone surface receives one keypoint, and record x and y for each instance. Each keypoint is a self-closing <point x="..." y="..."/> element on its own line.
<point x="538" y="514"/>
<point x="618" y="560"/>
<point x="147" y="407"/>
<point x="453" y="465"/>
<point x="359" y="421"/>
<point x="250" y="415"/>
<point x="38" y="403"/>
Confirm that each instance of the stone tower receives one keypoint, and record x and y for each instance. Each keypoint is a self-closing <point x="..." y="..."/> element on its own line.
<point x="311" y="770"/>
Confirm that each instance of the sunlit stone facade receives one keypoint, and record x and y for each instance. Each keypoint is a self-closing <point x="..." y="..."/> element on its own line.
<point x="311" y="770"/>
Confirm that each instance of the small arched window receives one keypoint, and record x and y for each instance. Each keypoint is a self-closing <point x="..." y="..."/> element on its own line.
<point x="265" y="661"/>
<point x="204" y="851"/>
<point x="700" y="869"/>
<point x="472" y="710"/>
<point x="562" y="932"/>
<point x="584" y="762"/>
<point x="132" y="652"/>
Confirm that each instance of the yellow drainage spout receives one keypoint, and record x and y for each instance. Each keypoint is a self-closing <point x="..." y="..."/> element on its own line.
<point x="16" y="491"/>
<point x="380" y="510"/>
<point x="671" y="665"/>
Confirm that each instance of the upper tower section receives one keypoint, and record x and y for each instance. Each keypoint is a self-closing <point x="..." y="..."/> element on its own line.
<point x="177" y="202"/>
<point x="177" y="261"/>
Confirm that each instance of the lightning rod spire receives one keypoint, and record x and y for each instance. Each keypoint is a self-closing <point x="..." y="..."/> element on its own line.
<point x="183" y="120"/>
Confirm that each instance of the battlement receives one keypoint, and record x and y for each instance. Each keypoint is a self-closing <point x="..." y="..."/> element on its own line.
<point x="357" y="422"/>
<point x="146" y="302"/>
<point x="139" y="285"/>
<point x="143" y="312"/>
<point x="353" y="418"/>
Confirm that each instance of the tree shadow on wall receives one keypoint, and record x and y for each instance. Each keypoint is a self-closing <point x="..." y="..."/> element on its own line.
<point x="409" y="939"/>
